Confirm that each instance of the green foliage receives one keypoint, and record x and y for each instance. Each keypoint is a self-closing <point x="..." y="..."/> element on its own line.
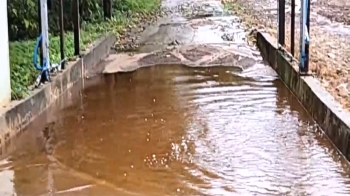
<point x="23" y="16"/>
<point x="23" y="30"/>
<point x="22" y="19"/>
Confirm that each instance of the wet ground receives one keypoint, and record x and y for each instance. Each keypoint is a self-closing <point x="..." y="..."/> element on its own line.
<point x="330" y="31"/>
<point x="336" y="10"/>
<point x="176" y="130"/>
<point x="222" y="124"/>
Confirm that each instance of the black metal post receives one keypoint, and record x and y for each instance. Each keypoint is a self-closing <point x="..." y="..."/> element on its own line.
<point x="281" y="21"/>
<point x="306" y="67"/>
<point x="76" y="21"/>
<point x="107" y="8"/>
<point x="62" y="35"/>
<point x="292" y="28"/>
<point x="49" y="4"/>
<point x="39" y="19"/>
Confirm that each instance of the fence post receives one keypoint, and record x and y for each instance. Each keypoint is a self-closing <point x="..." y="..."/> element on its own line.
<point x="107" y="8"/>
<point x="76" y="21"/>
<point x="281" y="21"/>
<point x="5" y="80"/>
<point x="62" y="35"/>
<point x="292" y="29"/>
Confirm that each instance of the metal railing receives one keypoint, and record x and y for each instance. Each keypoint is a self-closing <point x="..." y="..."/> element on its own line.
<point x="42" y="46"/>
<point x="304" y="32"/>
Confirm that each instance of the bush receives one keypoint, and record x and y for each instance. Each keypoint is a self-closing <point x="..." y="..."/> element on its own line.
<point x="23" y="17"/>
<point x="24" y="29"/>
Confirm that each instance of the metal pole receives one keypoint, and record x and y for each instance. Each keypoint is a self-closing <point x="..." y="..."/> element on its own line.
<point x="76" y="24"/>
<point x="62" y="35"/>
<point x="45" y="40"/>
<point x="292" y="28"/>
<point x="39" y="20"/>
<point x="304" y="38"/>
<point x="281" y="21"/>
<point x="307" y="37"/>
<point x="107" y="9"/>
<point x="278" y="24"/>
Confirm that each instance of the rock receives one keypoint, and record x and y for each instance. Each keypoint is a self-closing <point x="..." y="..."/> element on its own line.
<point x="340" y="71"/>
<point x="331" y="55"/>
<point x="174" y="43"/>
<point x="325" y="83"/>
<point x="342" y="90"/>
<point x="169" y="48"/>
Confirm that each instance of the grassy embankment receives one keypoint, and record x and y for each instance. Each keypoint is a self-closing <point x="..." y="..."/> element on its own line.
<point x="23" y="73"/>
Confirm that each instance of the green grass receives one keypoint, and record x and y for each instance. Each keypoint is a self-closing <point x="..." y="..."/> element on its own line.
<point x="23" y="73"/>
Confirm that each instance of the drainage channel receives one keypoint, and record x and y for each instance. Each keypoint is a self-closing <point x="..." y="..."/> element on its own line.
<point x="172" y="129"/>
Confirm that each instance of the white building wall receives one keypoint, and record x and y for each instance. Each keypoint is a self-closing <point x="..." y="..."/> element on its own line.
<point x="5" y="85"/>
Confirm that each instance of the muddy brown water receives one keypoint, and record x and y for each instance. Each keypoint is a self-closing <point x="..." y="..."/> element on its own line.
<point x="176" y="130"/>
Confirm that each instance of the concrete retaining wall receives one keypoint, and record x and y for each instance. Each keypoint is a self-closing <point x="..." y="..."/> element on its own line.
<point x="327" y="112"/>
<point x="18" y="114"/>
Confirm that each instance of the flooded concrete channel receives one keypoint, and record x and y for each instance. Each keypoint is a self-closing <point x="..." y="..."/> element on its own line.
<point x="224" y="124"/>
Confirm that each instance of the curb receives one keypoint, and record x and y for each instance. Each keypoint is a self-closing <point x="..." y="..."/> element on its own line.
<point x="320" y="104"/>
<point x="15" y="117"/>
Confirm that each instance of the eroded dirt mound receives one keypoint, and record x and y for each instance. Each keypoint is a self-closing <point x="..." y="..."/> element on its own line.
<point x="228" y="59"/>
<point x="162" y="57"/>
<point x="195" y="54"/>
<point x="198" y="55"/>
<point x="201" y="34"/>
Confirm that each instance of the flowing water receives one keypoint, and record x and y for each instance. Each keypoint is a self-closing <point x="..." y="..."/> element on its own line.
<point x="176" y="130"/>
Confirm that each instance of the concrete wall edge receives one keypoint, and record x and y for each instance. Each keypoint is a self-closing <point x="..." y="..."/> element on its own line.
<point x="320" y="104"/>
<point x="17" y="115"/>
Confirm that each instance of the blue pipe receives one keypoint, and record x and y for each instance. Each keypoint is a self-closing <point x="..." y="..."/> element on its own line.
<point x="43" y="68"/>
<point x="35" y="57"/>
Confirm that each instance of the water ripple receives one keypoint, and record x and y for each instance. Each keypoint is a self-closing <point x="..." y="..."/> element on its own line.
<point x="254" y="143"/>
<point x="175" y="130"/>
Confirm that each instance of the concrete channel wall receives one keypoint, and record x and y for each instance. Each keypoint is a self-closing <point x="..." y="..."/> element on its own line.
<point x="327" y="112"/>
<point x="18" y="114"/>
